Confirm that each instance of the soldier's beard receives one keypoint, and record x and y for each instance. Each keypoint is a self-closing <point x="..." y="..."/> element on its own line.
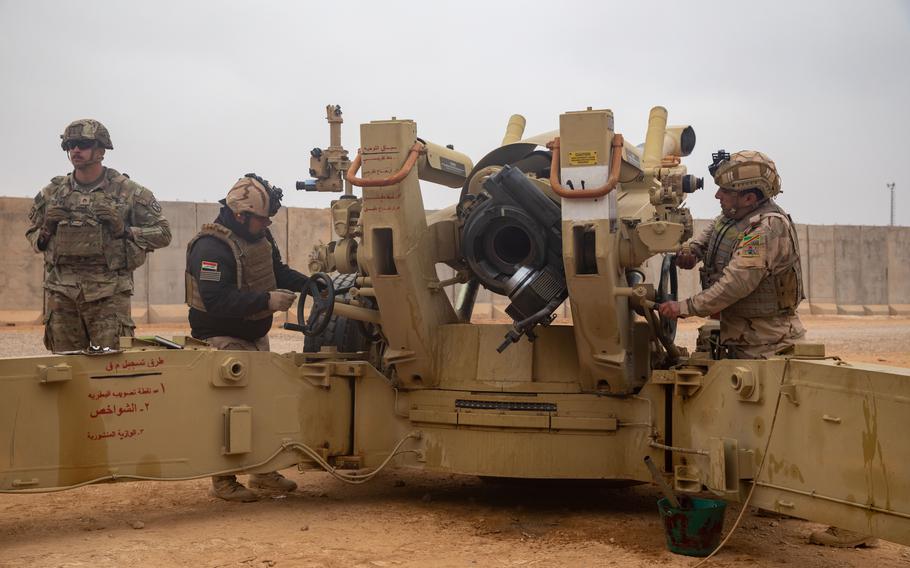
<point x="729" y="213"/>
<point x="94" y="158"/>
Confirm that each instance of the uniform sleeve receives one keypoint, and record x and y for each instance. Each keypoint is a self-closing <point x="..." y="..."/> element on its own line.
<point x="285" y="276"/>
<point x="211" y="263"/>
<point x="36" y="221"/>
<point x="699" y="243"/>
<point x="155" y="231"/>
<point x="751" y="262"/>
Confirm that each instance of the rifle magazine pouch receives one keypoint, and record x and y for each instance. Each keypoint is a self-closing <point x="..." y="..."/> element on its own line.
<point x="83" y="239"/>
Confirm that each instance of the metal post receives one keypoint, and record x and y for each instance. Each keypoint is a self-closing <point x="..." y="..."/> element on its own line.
<point x="891" y="187"/>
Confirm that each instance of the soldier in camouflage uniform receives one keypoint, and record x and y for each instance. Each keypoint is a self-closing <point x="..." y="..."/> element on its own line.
<point x="94" y="227"/>
<point x="235" y="281"/>
<point x="751" y="273"/>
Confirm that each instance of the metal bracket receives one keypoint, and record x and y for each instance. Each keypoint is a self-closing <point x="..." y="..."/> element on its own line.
<point x="320" y="374"/>
<point x="238" y="430"/>
<point x="686" y="478"/>
<point x="789" y="392"/>
<point x="685" y="381"/>
<point x="55" y="373"/>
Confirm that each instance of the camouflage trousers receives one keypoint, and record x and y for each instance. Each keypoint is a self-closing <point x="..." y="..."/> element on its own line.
<point x="759" y="338"/>
<point x="227" y="343"/>
<point x="72" y="325"/>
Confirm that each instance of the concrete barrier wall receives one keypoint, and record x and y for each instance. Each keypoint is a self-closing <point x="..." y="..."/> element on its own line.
<point x="21" y="268"/>
<point x="166" y="266"/>
<point x="899" y="270"/>
<point x="819" y="251"/>
<point x="847" y="269"/>
<point x="874" y="276"/>
<point x="802" y="235"/>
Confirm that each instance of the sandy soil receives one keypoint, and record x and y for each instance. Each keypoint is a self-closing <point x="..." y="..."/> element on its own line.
<point x="407" y="518"/>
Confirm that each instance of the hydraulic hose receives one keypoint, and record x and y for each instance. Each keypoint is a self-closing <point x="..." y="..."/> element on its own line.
<point x="351" y="175"/>
<point x="612" y="180"/>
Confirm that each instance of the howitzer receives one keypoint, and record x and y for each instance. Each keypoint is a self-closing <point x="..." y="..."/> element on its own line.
<point x="396" y="372"/>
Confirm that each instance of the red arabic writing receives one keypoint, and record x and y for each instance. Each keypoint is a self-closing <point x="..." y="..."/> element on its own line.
<point x="378" y="148"/>
<point x="375" y="196"/>
<point x="150" y="363"/>
<point x="119" y="434"/>
<point x="119" y="409"/>
<point x="127" y="393"/>
<point x="381" y="209"/>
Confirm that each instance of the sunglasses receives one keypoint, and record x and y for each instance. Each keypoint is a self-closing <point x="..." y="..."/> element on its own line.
<point x="81" y="144"/>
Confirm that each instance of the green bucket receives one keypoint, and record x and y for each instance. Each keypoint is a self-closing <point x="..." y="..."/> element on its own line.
<point x="695" y="531"/>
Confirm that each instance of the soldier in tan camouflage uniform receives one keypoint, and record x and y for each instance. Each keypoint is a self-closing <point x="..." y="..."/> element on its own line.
<point x="751" y="274"/>
<point x="94" y="227"/>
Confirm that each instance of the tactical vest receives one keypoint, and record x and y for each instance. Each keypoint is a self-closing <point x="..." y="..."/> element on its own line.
<point x="255" y="270"/>
<point x="780" y="292"/>
<point x="83" y="240"/>
<point x="727" y="235"/>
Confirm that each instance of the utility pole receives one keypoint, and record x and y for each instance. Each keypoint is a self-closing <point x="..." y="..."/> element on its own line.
<point x="891" y="187"/>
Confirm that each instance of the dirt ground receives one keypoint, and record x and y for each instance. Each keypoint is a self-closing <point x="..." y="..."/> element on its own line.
<point x="408" y="518"/>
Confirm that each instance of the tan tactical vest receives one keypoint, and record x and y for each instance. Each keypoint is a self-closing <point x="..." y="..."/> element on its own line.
<point x="778" y="293"/>
<point x="82" y="239"/>
<point x="255" y="270"/>
<point x="726" y="237"/>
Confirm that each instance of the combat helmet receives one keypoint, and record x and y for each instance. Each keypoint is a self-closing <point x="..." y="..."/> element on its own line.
<point x="86" y="129"/>
<point x="745" y="170"/>
<point x="252" y="194"/>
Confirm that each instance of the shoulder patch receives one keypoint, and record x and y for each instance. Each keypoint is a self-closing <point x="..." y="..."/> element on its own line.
<point x="209" y="271"/>
<point x="146" y="198"/>
<point x="750" y="246"/>
<point x="751" y="251"/>
<point x="751" y="237"/>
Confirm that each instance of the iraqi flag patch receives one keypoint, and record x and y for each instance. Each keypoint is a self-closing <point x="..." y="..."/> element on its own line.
<point x="210" y="271"/>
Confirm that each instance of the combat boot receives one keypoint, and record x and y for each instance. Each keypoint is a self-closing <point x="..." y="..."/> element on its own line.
<point x="272" y="481"/>
<point x="228" y="488"/>
<point x="842" y="538"/>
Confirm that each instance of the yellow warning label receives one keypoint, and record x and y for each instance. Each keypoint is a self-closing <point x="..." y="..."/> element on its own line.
<point x="582" y="158"/>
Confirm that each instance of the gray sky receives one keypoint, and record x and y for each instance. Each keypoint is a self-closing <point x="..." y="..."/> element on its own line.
<point x="196" y="94"/>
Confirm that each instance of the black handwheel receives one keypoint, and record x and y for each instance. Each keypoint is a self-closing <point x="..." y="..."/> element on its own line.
<point x="667" y="290"/>
<point x="345" y="334"/>
<point x="321" y="289"/>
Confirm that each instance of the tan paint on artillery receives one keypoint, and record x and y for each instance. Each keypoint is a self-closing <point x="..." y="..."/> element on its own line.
<point x="586" y="401"/>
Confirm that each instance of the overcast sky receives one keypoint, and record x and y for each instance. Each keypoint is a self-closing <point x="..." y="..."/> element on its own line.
<point x="196" y="94"/>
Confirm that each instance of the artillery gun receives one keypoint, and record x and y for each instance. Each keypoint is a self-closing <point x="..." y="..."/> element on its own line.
<point x="398" y="374"/>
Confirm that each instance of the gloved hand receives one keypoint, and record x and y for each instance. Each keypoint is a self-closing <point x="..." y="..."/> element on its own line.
<point x="686" y="259"/>
<point x="53" y="216"/>
<point x="110" y="216"/>
<point x="281" y="300"/>
<point x="669" y="310"/>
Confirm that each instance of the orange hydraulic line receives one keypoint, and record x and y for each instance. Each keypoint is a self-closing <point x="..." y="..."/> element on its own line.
<point x="352" y="178"/>
<point x="615" y="165"/>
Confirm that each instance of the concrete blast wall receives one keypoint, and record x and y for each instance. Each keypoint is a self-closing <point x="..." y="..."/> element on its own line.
<point x="847" y="269"/>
